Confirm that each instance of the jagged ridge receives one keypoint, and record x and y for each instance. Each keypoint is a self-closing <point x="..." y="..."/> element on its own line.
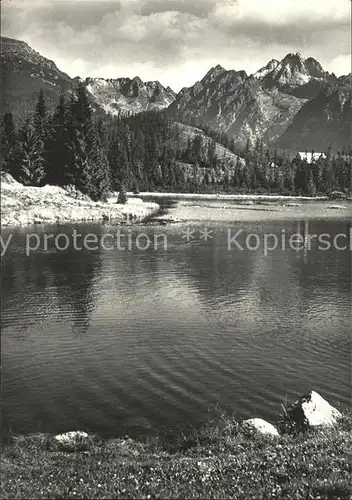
<point x="265" y="104"/>
<point x="278" y="103"/>
<point x="126" y="95"/>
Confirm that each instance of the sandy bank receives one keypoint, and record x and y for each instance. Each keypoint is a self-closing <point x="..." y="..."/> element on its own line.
<point x="22" y="205"/>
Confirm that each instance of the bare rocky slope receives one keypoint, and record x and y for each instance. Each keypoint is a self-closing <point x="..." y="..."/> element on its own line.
<point x="23" y="73"/>
<point x="322" y="121"/>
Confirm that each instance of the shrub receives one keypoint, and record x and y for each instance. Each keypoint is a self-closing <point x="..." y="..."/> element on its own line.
<point x="135" y="188"/>
<point x="122" y="197"/>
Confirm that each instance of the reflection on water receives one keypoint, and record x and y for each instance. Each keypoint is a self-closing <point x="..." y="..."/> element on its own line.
<point x="140" y="341"/>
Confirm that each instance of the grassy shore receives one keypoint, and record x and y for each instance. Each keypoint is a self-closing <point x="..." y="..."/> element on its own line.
<point x="222" y="460"/>
<point x="23" y="205"/>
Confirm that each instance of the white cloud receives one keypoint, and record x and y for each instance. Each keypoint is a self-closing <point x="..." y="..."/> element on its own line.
<point x="177" y="41"/>
<point x="281" y="12"/>
<point x="341" y="65"/>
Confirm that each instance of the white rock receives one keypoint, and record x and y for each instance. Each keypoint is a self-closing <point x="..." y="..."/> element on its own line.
<point x="261" y="426"/>
<point x="134" y="201"/>
<point x="313" y="410"/>
<point x="71" y="438"/>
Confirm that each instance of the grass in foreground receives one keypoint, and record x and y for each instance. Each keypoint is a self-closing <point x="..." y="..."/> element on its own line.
<point x="222" y="460"/>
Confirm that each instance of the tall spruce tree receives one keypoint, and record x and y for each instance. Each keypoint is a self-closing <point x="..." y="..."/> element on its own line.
<point x="30" y="155"/>
<point x="40" y="115"/>
<point x="8" y="145"/>
<point x="99" y="167"/>
<point x="90" y="165"/>
<point x="118" y="161"/>
<point x="59" y="147"/>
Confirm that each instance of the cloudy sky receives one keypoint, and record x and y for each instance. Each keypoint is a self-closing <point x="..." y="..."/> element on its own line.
<point x="177" y="41"/>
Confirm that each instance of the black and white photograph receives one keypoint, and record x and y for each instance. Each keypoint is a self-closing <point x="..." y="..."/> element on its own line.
<point x="176" y="243"/>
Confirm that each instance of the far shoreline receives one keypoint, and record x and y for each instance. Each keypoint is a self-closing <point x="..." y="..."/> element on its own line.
<point x="210" y="208"/>
<point x="28" y="205"/>
<point x="235" y="197"/>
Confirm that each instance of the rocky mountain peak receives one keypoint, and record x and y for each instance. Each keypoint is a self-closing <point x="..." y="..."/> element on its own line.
<point x="8" y="43"/>
<point x="291" y="72"/>
<point x="10" y="46"/>
<point x="137" y="81"/>
<point x="294" y="91"/>
<point x="345" y="81"/>
<point x="295" y="57"/>
<point x="293" y="63"/>
<point x="124" y="95"/>
<point x="24" y="72"/>
<point x="213" y="73"/>
<point x="19" y="54"/>
<point x="219" y="68"/>
<point x="265" y="70"/>
<point x="315" y="68"/>
<point x="263" y="104"/>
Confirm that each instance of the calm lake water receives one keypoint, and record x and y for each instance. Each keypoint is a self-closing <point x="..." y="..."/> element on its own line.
<point x="138" y="342"/>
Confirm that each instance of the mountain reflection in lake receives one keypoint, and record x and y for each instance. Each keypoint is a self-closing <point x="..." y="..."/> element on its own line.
<point x="137" y="341"/>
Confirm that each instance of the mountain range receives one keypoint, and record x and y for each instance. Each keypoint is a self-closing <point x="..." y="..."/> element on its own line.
<point x="292" y="104"/>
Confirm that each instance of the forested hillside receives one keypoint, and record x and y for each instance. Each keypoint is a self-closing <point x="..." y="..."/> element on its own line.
<point x="150" y="151"/>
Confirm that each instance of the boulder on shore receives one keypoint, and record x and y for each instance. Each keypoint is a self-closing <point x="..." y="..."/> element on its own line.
<point x="261" y="426"/>
<point x="311" y="410"/>
<point x="72" y="440"/>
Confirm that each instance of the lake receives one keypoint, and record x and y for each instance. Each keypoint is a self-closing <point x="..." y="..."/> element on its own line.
<point x="139" y="341"/>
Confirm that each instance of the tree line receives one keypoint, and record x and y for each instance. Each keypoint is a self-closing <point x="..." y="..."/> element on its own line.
<point x="73" y="146"/>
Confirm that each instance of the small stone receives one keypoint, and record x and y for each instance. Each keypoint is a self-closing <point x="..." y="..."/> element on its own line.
<point x="72" y="440"/>
<point x="261" y="426"/>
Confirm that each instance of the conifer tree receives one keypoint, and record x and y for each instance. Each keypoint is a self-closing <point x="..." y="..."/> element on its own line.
<point x="151" y="158"/>
<point x="311" y="188"/>
<point x="300" y="177"/>
<point x="327" y="177"/>
<point x="289" y="179"/>
<point x="59" y="147"/>
<point x="90" y="172"/>
<point x="30" y="155"/>
<point x="211" y="155"/>
<point x="135" y="187"/>
<point x="118" y="161"/>
<point x="247" y="150"/>
<point x="99" y="186"/>
<point x="254" y="180"/>
<point x="8" y="145"/>
<point x="40" y="115"/>
<point x="80" y="175"/>
<point x="122" y="197"/>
